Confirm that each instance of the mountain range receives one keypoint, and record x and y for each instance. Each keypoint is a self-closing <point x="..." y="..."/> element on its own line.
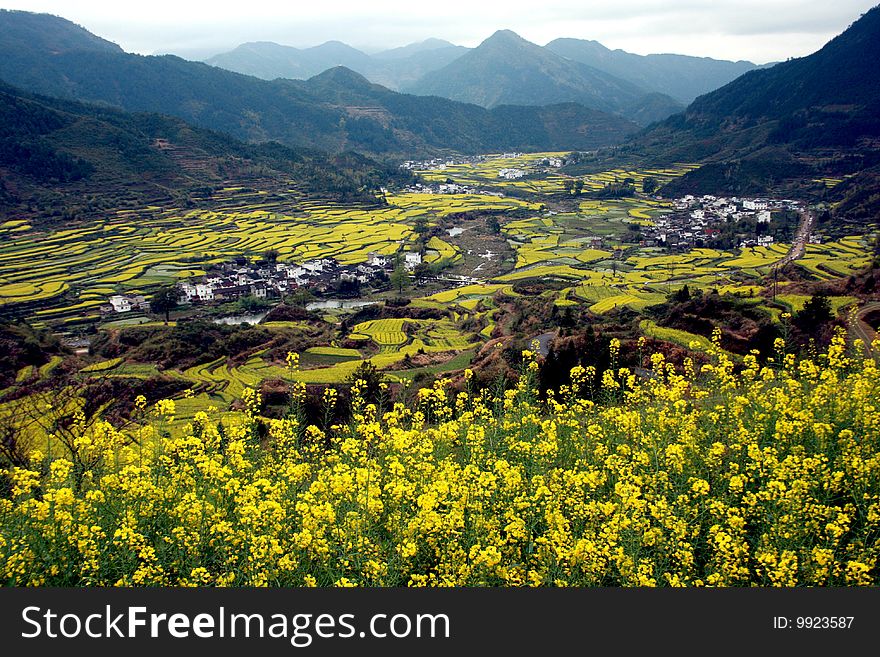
<point x="680" y="76"/>
<point x="508" y="70"/>
<point x="412" y="68"/>
<point x="337" y="111"/>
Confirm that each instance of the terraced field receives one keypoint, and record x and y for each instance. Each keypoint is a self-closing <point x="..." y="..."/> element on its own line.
<point x="539" y="178"/>
<point x="487" y="173"/>
<point x="441" y="251"/>
<point x="562" y="246"/>
<point x="386" y="333"/>
<point x="843" y="257"/>
<point x="676" y="336"/>
<point x="796" y="302"/>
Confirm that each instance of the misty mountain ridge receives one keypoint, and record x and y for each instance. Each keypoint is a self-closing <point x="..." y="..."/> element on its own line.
<point x="681" y="76"/>
<point x="392" y="68"/>
<point x="506" y="69"/>
<point x="416" y="68"/>
<point x="29" y="31"/>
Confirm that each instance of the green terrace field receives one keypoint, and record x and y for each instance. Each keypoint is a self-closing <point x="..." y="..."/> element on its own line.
<point x="387" y="344"/>
<point x="434" y="345"/>
<point x="486" y="173"/>
<point x="597" y="181"/>
<point x="411" y="205"/>
<point x="796" y="302"/>
<point x="440" y="251"/>
<point x="844" y="257"/>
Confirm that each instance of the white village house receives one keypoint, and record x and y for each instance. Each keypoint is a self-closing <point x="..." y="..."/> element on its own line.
<point x="120" y="303"/>
<point x="412" y="260"/>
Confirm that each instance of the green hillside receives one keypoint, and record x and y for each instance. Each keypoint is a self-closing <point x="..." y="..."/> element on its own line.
<point x="66" y="157"/>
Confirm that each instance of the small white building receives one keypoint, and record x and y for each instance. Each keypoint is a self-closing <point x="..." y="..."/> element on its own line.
<point x="377" y="259"/>
<point x="204" y="292"/>
<point x="764" y="217"/>
<point x="120" y="303"/>
<point x="412" y="260"/>
<point x="187" y="292"/>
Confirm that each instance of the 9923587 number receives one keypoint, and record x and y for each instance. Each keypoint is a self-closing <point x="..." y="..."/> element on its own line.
<point x="813" y="622"/>
<point x="823" y="622"/>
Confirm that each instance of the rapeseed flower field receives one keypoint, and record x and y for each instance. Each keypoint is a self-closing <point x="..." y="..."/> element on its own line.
<point x="725" y="475"/>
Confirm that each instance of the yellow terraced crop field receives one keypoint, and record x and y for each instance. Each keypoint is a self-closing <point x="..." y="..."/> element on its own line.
<point x="440" y="251"/>
<point x="384" y="332"/>
<point x="134" y="250"/>
<point x="834" y="259"/>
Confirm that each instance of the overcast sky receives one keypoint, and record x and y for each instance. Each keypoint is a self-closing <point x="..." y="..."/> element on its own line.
<point x="757" y="30"/>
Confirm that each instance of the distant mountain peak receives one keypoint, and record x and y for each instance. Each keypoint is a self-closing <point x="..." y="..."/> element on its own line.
<point x="419" y="48"/>
<point x="680" y="76"/>
<point x="507" y="69"/>
<point x="506" y="36"/>
<point x="341" y="75"/>
<point x="433" y="42"/>
<point x="337" y="47"/>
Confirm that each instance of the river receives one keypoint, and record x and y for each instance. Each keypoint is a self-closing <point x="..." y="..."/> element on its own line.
<point x="237" y="320"/>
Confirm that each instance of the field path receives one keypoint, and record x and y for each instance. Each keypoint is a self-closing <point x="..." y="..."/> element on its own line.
<point x="864" y="331"/>
<point x="799" y="245"/>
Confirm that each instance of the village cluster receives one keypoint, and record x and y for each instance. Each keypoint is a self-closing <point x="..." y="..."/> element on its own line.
<point x="508" y="173"/>
<point x="268" y="280"/>
<point x="441" y="163"/>
<point x="446" y="188"/>
<point x="697" y="219"/>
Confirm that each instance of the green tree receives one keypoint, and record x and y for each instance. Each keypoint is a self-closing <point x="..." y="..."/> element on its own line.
<point x="164" y="301"/>
<point x="399" y="278"/>
<point x="816" y="311"/>
<point x="682" y="294"/>
<point x="421" y="226"/>
<point x="300" y="296"/>
<point x="252" y="304"/>
<point x="650" y="185"/>
<point x="371" y="380"/>
<point x="578" y="187"/>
